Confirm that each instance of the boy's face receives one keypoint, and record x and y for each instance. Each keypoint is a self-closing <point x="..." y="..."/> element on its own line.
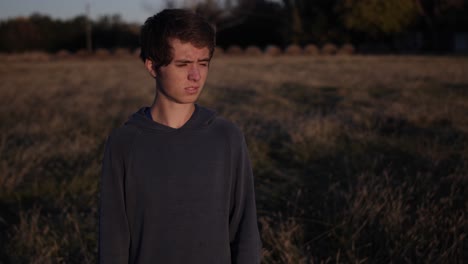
<point x="182" y="80"/>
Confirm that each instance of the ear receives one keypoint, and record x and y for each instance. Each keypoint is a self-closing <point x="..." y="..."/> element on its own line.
<point x="149" y="67"/>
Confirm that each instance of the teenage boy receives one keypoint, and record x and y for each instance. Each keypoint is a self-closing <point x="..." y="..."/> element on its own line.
<point x="177" y="184"/>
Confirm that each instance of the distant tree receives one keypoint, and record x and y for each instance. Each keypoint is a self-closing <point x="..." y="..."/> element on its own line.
<point x="313" y="21"/>
<point x="439" y="17"/>
<point x="33" y="33"/>
<point x="243" y="22"/>
<point x="250" y="22"/>
<point x="295" y="17"/>
<point x="39" y="32"/>
<point x="224" y="13"/>
<point x="18" y="34"/>
<point x="112" y="32"/>
<point x="377" y="17"/>
<point x="210" y="9"/>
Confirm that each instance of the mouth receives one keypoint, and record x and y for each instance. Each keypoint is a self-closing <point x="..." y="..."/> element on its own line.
<point x="192" y="89"/>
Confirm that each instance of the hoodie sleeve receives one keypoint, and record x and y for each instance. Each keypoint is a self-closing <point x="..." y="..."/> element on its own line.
<point x="243" y="230"/>
<point x="114" y="237"/>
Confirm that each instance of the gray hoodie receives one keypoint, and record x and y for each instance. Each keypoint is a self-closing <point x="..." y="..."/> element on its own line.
<point x="181" y="195"/>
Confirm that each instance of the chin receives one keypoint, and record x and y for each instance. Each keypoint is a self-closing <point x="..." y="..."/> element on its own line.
<point x="188" y="100"/>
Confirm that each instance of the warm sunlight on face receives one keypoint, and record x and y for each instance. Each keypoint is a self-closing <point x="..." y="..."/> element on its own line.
<point x="183" y="79"/>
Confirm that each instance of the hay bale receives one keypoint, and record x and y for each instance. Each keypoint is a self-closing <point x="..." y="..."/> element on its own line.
<point x="293" y="50"/>
<point x="35" y="56"/>
<point x="218" y="51"/>
<point x="253" y="51"/>
<point x="62" y="54"/>
<point x="3" y="56"/>
<point x="311" y="49"/>
<point x="234" y="50"/>
<point x="7" y="57"/>
<point x="272" y="50"/>
<point x="121" y="52"/>
<point x="82" y="53"/>
<point x="102" y="53"/>
<point x="11" y="57"/>
<point x="346" y="49"/>
<point x="137" y="52"/>
<point x="329" y="49"/>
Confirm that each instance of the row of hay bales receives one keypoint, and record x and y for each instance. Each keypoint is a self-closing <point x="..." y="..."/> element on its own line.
<point x="234" y="50"/>
<point x="65" y="54"/>
<point x="291" y="50"/>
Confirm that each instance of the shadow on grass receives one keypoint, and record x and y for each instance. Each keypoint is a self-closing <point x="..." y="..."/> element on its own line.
<point x="397" y="162"/>
<point x="311" y="100"/>
<point x="384" y="93"/>
<point x="449" y="89"/>
<point x="331" y="182"/>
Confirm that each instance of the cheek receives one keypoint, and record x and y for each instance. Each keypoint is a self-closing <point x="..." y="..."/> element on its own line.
<point x="180" y="75"/>
<point x="178" y="80"/>
<point x="174" y="77"/>
<point x="204" y="72"/>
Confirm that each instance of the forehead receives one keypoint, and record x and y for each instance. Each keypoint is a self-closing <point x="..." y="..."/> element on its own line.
<point x="186" y="50"/>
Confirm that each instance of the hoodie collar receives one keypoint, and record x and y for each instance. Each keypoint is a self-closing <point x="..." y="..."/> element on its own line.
<point x="200" y="118"/>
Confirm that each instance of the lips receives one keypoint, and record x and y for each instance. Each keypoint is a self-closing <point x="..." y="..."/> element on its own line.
<point x="192" y="89"/>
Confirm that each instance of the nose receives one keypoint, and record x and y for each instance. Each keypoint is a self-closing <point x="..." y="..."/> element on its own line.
<point x="194" y="73"/>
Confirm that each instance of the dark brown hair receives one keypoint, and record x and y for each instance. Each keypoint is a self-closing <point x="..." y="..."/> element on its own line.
<point x="181" y="24"/>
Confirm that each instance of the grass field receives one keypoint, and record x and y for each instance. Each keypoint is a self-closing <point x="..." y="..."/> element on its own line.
<point x="356" y="159"/>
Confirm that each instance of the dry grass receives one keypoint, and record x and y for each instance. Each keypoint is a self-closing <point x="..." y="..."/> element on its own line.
<point x="357" y="159"/>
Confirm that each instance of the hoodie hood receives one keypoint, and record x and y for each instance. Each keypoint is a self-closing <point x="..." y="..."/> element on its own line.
<point x="200" y="118"/>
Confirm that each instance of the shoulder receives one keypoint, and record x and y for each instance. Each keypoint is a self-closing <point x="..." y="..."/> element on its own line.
<point x="121" y="138"/>
<point x="233" y="134"/>
<point x="232" y="130"/>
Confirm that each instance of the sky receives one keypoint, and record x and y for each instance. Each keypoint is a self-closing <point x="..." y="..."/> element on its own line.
<point x="131" y="11"/>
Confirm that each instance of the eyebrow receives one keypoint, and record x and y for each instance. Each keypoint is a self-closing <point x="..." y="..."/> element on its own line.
<point x="190" y="61"/>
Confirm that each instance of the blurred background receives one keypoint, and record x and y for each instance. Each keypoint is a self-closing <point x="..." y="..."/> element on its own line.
<point x="354" y="112"/>
<point x="397" y="26"/>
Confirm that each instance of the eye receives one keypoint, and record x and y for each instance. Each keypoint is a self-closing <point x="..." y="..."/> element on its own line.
<point x="204" y="64"/>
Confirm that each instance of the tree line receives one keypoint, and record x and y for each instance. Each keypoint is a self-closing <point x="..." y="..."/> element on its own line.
<point x="262" y="23"/>
<point x="40" y="32"/>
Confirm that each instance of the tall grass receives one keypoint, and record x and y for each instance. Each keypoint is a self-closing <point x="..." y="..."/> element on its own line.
<point x="356" y="159"/>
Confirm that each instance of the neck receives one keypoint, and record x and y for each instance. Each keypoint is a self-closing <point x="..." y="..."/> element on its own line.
<point x="170" y="113"/>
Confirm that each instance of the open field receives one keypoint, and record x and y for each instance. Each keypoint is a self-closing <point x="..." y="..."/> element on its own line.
<point x="356" y="159"/>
